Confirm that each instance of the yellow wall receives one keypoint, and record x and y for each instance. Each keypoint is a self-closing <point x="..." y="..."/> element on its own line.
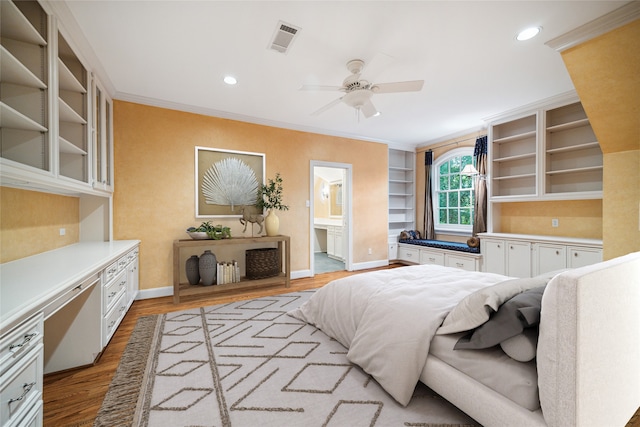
<point x="576" y="218"/>
<point x="154" y="182"/>
<point x="30" y="222"/>
<point x="605" y="73"/>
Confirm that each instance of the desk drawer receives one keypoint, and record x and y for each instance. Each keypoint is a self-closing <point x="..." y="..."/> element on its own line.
<point x="113" y="290"/>
<point x="110" y="272"/>
<point x="112" y="319"/>
<point x="20" y="341"/>
<point x="21" y="387"/>
<point x="63" y="299"/>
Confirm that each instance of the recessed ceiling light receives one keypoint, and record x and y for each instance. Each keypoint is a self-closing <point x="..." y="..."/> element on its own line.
<point x="528" y="33"/>
<point x="377" y="114"/>
<point x="230" y="80"/>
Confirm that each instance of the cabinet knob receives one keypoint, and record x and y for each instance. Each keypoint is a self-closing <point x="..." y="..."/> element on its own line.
<point x="575" y="254"/>
<point x="557" y="252"/>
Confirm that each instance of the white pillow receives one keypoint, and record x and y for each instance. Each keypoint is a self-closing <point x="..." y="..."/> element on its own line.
<point x="476" y="308"/>
<point x="523" y="346"/>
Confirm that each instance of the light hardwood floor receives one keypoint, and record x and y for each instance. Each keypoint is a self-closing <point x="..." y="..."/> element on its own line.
<point x="73" y="398"/>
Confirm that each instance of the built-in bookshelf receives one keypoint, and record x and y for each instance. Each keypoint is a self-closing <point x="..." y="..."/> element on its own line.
<point x="24" y="107"/>
<point x="401" y="191"/>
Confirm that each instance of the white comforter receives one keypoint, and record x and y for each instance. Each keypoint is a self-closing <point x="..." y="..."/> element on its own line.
<point x="387" y="318"/>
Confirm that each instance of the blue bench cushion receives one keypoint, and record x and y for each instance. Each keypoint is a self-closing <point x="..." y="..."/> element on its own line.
<point x="441" y="244"/>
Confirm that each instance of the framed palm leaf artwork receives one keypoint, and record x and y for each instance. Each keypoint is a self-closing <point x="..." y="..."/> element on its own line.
<point x="226" y="181"/>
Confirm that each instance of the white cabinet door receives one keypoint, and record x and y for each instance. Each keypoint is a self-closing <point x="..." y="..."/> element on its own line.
<point x="518" y="259"/>
<point x="331" y="241"/>
<point x="493" y="256"/>
<point x="579" y="257"/>
<point x="338" y="243"/>
<point x="549" y="257"/>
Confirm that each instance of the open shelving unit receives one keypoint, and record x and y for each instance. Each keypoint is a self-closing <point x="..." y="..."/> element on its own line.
<point x="514" y="149"/>
<point x="24" y="109"/>
<point x="401" y="191"/>
<point x="72" y="114"/>
<point x="573" y="158"/>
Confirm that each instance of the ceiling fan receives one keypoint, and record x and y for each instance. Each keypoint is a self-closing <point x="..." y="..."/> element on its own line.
<point x="358" y="92"/>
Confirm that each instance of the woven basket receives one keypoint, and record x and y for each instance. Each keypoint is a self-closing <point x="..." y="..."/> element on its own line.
<point x="262" y="263"/>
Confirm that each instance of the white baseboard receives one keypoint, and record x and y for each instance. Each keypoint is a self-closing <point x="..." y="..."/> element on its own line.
<point x="166" y="291"/>
<point x="370" y="264"/>
<point x="300" y="274"/>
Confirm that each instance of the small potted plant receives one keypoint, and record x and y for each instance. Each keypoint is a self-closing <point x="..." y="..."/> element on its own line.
<point x="270" y="198"/>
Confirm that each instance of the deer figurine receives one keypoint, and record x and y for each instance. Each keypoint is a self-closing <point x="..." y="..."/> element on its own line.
<point x="253" y="218"/>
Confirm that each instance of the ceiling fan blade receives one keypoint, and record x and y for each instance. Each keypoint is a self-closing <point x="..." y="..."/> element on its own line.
<point x="410" y="86"/>
<point x="320" y="87"/>
<point x="368" y="109"/>
<point x="326" y="107"/>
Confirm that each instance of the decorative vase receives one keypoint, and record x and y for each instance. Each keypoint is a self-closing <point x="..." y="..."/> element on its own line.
<point x="272" y="223"/>
<point x="192" y="270"/>
<point x="207" y="267"/>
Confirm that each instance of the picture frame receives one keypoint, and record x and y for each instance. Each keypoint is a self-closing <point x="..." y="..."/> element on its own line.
<point x="217" y="171"/>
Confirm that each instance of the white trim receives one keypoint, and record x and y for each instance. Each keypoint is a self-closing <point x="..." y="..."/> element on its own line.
<point x="370" y="264"/>
<point x="348" y="208"/>
<point x="599" y="26"/>
<point x="165" y="291"/>
<point x="448" y="228"/>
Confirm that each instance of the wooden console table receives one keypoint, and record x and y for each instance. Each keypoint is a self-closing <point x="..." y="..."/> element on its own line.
<point x="185" y="289"/>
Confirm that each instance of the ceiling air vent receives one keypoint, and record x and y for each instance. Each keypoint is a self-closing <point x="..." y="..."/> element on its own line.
<point x="283" y="37"/>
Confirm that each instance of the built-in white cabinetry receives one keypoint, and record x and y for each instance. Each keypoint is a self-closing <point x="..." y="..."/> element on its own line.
<point x="526" y="256"/>
<point x="58" y="310"/>
<point x="24" y="85"/>
<point x="414" y="254"/>
<point x="120" y="287"/>
<point x="55" y="130"/>
<point x="21" y="355"/>
<point x="401" y="191"/>
<point x="511" y="258"/>
<point x="101" y="132"/>
<point x="335" y="242"/>
<point x="514" y="157"/>
<point x="73" y="114"/>
<point x="546" y="153"/>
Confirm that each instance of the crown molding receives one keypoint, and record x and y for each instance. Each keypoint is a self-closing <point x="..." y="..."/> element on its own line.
<point x="612" y="20"/>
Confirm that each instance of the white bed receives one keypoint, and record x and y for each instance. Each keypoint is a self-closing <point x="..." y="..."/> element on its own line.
<point x="387" y="319"/>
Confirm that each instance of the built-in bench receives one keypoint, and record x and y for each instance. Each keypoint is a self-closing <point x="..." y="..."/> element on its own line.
<point x="442" y="244"/>
<point x="439" y="252"/>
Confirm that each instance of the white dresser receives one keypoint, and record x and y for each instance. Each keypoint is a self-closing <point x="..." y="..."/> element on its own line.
<point x="58" y="310"/>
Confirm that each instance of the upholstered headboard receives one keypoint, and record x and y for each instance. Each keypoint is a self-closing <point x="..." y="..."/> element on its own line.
<point x="589" y="345"/>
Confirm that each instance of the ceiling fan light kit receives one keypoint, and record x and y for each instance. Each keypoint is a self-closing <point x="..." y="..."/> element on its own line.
<point x="358" y="92"/>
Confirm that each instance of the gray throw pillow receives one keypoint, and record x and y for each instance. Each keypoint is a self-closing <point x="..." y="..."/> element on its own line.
<point x="520" y="312"/>
<point x="523" y="346"/>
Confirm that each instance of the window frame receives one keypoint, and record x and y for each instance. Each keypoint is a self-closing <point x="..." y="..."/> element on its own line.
<point x="450" y="228"/>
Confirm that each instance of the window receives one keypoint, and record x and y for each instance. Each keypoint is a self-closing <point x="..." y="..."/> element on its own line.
<point x="453" y="196"/>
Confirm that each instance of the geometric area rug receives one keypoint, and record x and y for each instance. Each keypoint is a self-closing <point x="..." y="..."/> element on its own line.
<point x="248" y="363"/>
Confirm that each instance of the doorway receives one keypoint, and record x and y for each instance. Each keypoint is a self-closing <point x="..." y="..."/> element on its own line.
<point x="330" y="217"/>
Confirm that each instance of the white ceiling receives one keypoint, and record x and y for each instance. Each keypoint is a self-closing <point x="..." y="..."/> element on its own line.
<point x="175" y="54"/>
